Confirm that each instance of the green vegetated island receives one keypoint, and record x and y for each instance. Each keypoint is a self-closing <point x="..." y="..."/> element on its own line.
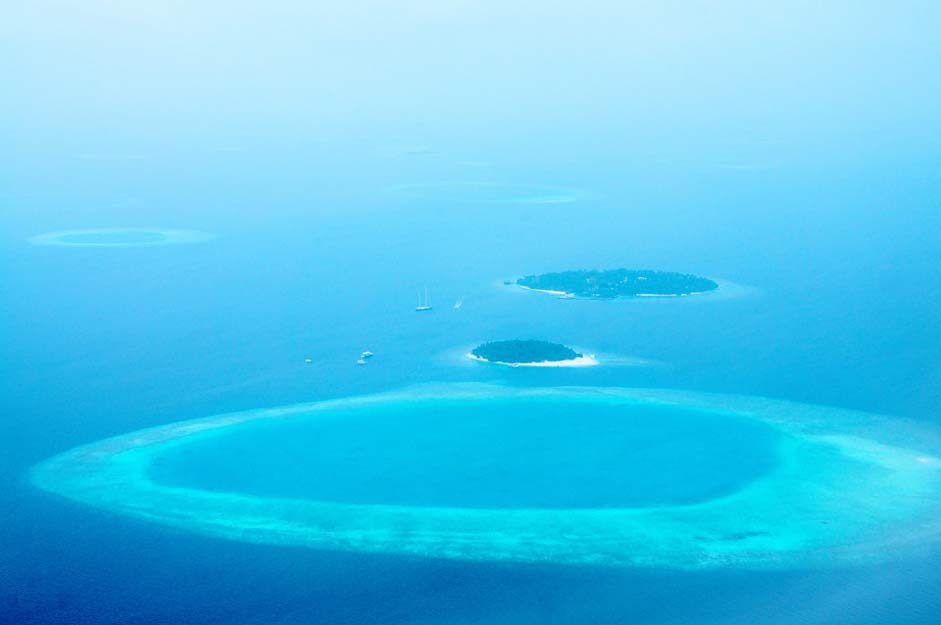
<point x="522" y="353"/>
<point x="611" y="283"/>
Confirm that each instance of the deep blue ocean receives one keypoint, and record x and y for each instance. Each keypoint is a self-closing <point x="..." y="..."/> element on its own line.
<point x="346" y="161"/>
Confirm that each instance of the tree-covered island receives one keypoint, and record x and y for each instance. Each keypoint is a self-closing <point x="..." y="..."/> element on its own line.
<point x="523" y="352"/>
<point x="611" y="283"/>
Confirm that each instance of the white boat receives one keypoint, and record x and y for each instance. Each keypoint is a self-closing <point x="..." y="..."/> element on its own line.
<point x="361" y="361"/>
<point x="365" y="355"/>
<point x="458" y="303"/>
<point x="424" y="304"/>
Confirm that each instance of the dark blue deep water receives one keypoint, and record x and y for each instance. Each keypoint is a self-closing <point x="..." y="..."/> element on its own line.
<point x="346" y="158"/>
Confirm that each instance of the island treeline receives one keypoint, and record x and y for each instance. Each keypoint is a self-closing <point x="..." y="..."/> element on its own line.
<point x="612" y="283"/>
<point x="524" y="351"/>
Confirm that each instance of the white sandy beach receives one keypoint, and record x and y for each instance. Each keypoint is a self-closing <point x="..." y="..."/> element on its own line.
<point x="559" y="293"/>
<point x="581" y="361"/>
<point x="672" y="294"/>
<point x="567" y="295"/>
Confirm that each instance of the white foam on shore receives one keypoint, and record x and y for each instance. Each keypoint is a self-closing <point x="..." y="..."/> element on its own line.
<point x="581" y="361"/>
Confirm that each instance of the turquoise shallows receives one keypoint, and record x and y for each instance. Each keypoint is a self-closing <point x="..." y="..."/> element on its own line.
<point x="824" y="485"/>
<point x="511" y="452"/>
<point x="119" y="237"/>
<point x="488" y="193"/>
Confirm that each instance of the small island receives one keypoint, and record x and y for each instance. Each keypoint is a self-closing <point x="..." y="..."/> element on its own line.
<point x="612" y="283"/>
<point x="530" y="353"/>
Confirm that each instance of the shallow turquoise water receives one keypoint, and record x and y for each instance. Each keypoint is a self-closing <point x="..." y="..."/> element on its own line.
<point x="496" y="454"/>
<point x="116" y="237"/>
<point x="487" y="193"/>
<point x="847" y="487"/>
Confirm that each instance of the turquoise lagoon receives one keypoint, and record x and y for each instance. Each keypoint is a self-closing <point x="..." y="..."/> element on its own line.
<point x="577" y="476"/>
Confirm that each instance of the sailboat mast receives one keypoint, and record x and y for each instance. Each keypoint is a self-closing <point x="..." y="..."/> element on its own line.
<point x="423" y="303"/>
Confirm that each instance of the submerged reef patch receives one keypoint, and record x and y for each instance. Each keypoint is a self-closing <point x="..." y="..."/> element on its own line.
<point x="119" y="237"/>
<point x="845" y="487"/>
<point x="488" y="192"/>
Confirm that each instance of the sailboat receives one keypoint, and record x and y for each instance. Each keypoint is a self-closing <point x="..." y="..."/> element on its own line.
<point x="423" y="304"/>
